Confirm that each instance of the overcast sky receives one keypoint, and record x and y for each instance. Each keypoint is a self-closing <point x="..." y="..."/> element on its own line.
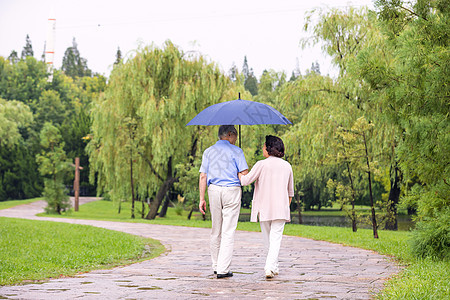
<point x="267" y="32"/>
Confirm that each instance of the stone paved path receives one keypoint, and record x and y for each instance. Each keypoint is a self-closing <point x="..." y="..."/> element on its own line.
<point x="308" y="269"/>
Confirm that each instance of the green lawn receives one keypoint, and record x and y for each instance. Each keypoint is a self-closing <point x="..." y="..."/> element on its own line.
<point x="422" y="279"/>
<point x="12" y="203"/>
<point x="37" y="250"/>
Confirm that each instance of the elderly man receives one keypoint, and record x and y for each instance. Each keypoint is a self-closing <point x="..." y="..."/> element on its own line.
<point x="221" y="164"/>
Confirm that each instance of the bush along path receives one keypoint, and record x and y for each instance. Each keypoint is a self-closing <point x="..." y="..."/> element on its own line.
<point x="308" y="269"/>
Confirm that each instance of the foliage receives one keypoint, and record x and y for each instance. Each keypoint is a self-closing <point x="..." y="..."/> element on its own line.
<point x="342" y="33"/>
<point x="13" y="57"/>
<point x="308" y="105"/>
<point x="13" y="116"/>
<point x="432" y="237"/>
<point x="17" y="177"/>
<point x="155" y="87"/>
<point x="53" y="164"/>
<point x="118" y="56"/>
<point x="50" y="108"/>
<point x="424" y="279"/>
<point x="27" y="49"/>
<point x="16" y="180"/>
<point x="414" y="90"/>
<point x="23" y="81"/>
<point x="73" y="64"/>
<point x="188" y="178"/>
<point x="63" y="101"/>
<point x="44" y="250"/>
<point x="347" y="35"/>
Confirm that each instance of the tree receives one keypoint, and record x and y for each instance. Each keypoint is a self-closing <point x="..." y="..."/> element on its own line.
<point x="23" y="81"/>
<point x="118" y="56"/>
<point x="53" y="164"/>
<point x="245" y="68"/>
<point x="13" y="57"/>
<point x="27" y="49"/>
<point x="60" y="102"/>
<point x="73" y="64"/>
<point x="296" y="72"/>
<point x="315" y="67"/>
<point x="233" y="72"/>
<point x="251" y="83"/>
<point x="342" y="33"/>
<point x="415" y="92"/>
<point x="13" y="116"/>
<point x="138" y="125"/>
<point x="15" y="172"/>
<point x="50" y="108"/>
<point x="311" y="107"/>
<point x="18" y="178"/>
<point x="346" y="36"/>
<point x="356" y="153"/>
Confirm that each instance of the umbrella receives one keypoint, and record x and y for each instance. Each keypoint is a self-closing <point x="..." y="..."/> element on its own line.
<point x="239" y="112"/>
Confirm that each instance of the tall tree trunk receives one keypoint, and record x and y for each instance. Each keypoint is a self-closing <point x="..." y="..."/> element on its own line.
<point x="132" y="185"/>
<point x="190" y="213"/>
<point x="374" y="219"/>
<point x="143" y="208"/>
<point x="166" y="186"/>
<point x="299" y="208"/>
<point x="354" y="228"/>
<point x="394" y="196"/>
<point x="164" y="208"/>
<point x="353" y="217"/>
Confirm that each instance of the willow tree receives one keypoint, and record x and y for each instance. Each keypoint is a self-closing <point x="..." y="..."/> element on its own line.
<point x="348" y="36"/>
<point x="13" y="116"/>
<point x="415" y="91"/>
<point x="138" y="124"/>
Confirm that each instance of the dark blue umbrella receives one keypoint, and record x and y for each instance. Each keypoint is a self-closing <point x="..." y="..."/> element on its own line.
<point x="239" y="112"/>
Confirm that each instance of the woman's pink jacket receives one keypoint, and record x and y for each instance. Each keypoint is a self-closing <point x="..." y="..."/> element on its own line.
<point x="274" y="185"/>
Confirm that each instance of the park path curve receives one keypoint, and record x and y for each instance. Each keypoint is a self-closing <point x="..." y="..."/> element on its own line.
<point x="308" y="269"/>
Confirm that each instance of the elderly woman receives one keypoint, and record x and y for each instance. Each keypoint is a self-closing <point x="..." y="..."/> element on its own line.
<point x="274" y="189"/>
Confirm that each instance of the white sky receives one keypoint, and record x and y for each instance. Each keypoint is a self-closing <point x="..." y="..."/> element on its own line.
<point x="267" y="32"/>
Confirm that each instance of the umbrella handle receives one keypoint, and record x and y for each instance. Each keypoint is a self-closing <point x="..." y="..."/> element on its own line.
<point x="240" y="133"/>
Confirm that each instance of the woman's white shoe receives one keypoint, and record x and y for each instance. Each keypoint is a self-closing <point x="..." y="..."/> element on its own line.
<point x="269" y="274"/>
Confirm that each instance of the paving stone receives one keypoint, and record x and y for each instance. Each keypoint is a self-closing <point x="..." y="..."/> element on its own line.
<point x="308" y="269"/>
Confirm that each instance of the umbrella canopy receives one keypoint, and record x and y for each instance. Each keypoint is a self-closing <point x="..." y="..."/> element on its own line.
<point x="239" y="112"/>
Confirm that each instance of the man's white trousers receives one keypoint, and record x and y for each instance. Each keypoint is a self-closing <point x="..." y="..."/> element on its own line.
<point x="224" y="204"/>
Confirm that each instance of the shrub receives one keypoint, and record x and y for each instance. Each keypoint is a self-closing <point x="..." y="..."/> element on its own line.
<point x="432" y="237"/>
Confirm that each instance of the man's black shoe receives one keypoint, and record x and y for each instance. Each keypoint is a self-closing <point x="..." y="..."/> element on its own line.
<point x="229" y="274"/>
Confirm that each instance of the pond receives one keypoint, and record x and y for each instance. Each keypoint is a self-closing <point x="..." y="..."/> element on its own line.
<point x="404" y="222"/>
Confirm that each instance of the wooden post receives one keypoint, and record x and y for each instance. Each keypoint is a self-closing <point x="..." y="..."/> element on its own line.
<point x="76" y="182"/>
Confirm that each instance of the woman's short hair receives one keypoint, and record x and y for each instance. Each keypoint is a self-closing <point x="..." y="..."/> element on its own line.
<point x="225" y="129"/>
<point x="274" y="146"/>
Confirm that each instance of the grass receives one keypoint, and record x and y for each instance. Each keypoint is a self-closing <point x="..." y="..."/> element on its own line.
<point x="12" y="203"/>
<point x="38" y="250"/>
<point x="422" y="279"/>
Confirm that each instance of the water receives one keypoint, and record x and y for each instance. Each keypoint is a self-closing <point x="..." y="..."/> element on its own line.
<point x="404" y="222"/>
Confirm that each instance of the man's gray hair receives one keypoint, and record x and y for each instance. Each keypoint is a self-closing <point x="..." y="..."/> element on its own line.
<point x="225" y="129"/>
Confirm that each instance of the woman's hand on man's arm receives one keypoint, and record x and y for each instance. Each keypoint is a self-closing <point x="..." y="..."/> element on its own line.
<point x="240" y="174"/>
